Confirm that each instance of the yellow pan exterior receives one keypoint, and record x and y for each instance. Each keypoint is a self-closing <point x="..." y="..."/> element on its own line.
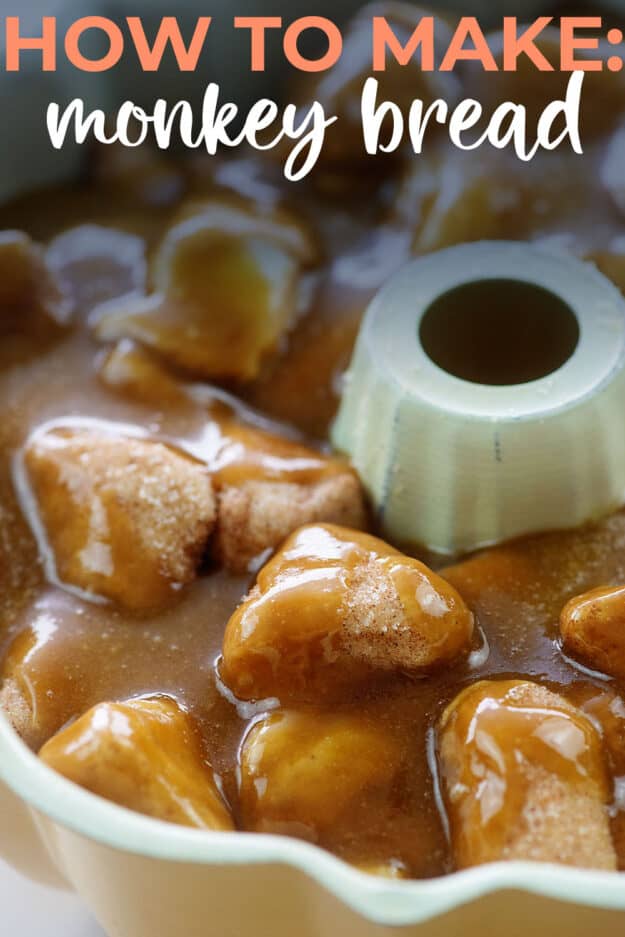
<point x="141" y="878"/>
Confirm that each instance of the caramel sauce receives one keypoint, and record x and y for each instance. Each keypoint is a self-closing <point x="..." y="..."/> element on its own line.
<point x="73" y="654"/>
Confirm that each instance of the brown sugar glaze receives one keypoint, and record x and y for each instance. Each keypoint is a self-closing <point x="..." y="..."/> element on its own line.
<point x="80" y="653"/>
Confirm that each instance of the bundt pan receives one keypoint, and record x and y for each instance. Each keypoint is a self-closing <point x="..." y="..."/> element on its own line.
<point x="145" y="878"/>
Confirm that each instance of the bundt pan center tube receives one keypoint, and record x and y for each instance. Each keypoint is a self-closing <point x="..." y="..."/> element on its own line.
<point x="485" y="397"/>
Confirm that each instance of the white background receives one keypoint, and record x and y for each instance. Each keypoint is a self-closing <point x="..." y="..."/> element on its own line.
<point x="32" y="911"/>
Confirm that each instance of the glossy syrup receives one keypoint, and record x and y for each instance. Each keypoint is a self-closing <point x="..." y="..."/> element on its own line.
<point x="77" y="653"/>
